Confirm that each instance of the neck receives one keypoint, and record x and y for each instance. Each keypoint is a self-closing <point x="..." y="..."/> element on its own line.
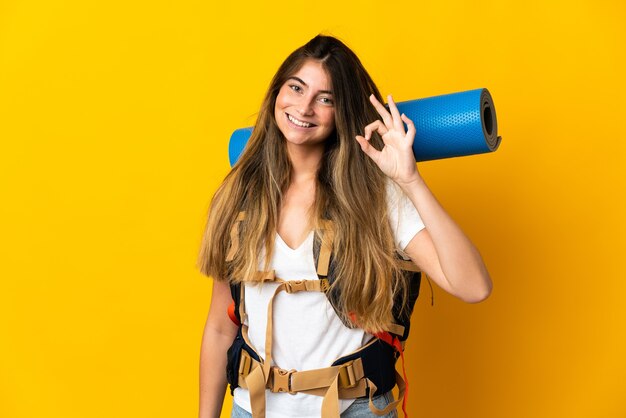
<point x="305" y="161"/>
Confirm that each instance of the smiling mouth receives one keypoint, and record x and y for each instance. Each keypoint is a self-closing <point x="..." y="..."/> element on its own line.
<point x="299" y="123"/>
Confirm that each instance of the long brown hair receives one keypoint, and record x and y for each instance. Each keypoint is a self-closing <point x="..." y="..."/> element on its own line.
<point x="350" y="190"/>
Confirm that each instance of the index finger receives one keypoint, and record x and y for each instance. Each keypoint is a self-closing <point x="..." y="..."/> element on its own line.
<point x="395" y="113"/>
<point x="382" y="111"/>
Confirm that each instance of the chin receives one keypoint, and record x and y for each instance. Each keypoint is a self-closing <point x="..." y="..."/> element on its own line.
<point x="300" y="141"/>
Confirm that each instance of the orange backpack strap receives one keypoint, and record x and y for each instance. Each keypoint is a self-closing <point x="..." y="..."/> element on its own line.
<point x="403" y="381"/>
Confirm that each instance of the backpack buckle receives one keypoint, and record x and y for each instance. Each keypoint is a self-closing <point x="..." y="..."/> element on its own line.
<point x="347" y="378"/>
<point x="293" y="286"/>
<point x="280" y="380"/>
<point x="245" y="364"/>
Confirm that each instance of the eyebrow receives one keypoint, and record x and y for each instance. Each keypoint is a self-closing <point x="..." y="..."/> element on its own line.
<point x="306" y="85"/>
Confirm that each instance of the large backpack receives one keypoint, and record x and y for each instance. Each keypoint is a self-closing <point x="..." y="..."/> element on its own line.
<point x="368" y="370"/>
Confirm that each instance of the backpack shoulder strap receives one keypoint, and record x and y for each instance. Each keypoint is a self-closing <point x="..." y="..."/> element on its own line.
<point x="326" y="248"/>
<point x="234" y="236"/>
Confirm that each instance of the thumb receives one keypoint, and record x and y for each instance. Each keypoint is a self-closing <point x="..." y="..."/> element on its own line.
<point x="367" y="147"/>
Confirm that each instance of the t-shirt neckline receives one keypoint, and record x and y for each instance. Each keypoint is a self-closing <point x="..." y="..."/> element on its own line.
<point x="299" y="248"/>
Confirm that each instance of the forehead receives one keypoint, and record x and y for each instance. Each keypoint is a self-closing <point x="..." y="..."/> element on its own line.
<point x="314" y="75"/>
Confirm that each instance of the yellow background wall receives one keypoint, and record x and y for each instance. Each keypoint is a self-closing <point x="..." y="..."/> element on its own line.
<point x="114" y="123"/>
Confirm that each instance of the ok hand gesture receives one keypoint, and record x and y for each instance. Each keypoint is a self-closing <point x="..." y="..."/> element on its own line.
<point x="396" y="159"/>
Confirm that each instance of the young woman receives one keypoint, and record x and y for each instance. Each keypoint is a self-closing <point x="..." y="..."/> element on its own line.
<point x="327" y="167"/>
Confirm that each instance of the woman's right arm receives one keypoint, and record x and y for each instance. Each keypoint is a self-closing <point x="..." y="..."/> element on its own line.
<point x="219" y="333"/>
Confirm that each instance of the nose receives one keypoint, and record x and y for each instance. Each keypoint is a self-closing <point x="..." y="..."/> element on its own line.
<point x="305" y="107"/>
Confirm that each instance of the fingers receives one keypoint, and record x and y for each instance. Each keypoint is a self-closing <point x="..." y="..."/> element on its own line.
<point x="410" y="132"/>
<point x="391" y="125"/>
<point x="376" y="126"/>
<point x="395" y="113"/>
<point x="367" y="148"/>
<point x="392" y="120"/>
<point x="382" y="111"/>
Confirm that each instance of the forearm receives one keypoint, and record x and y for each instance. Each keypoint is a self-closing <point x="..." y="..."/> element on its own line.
<point x="460" y="260"/>
<point x="219" y="333"/>
<point x="457" y="263"/>
<point x="213" y="372"/>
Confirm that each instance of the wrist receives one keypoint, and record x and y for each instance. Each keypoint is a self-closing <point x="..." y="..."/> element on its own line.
<point x="412" y="182"/>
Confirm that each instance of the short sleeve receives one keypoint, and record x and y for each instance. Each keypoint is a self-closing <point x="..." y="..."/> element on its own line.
<point x="403" y="216"/>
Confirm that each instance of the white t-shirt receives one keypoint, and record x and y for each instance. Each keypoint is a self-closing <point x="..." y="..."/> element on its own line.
<point x="307" y="333"/>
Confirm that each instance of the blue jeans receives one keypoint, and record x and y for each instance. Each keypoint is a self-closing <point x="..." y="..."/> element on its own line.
<point x="359" y="408"/>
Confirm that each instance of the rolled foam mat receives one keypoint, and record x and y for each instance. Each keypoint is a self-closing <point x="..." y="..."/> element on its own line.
<point x="450" y="125"/>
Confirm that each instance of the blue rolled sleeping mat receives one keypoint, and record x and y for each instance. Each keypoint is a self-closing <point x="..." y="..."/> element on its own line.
<point x="450" y="125"/>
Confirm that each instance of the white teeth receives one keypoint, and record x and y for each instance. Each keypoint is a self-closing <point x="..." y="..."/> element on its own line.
<point x="297" y="122"/>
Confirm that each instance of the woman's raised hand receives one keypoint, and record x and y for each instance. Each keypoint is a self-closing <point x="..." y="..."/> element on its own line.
<point x="396" y="159"/>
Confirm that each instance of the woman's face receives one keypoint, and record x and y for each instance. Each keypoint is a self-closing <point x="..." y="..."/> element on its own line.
<point x="305" y="109"/>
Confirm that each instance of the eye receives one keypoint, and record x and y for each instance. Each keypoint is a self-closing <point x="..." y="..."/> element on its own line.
<point x="326" y="100"/>
<point x="295" y="88"/>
